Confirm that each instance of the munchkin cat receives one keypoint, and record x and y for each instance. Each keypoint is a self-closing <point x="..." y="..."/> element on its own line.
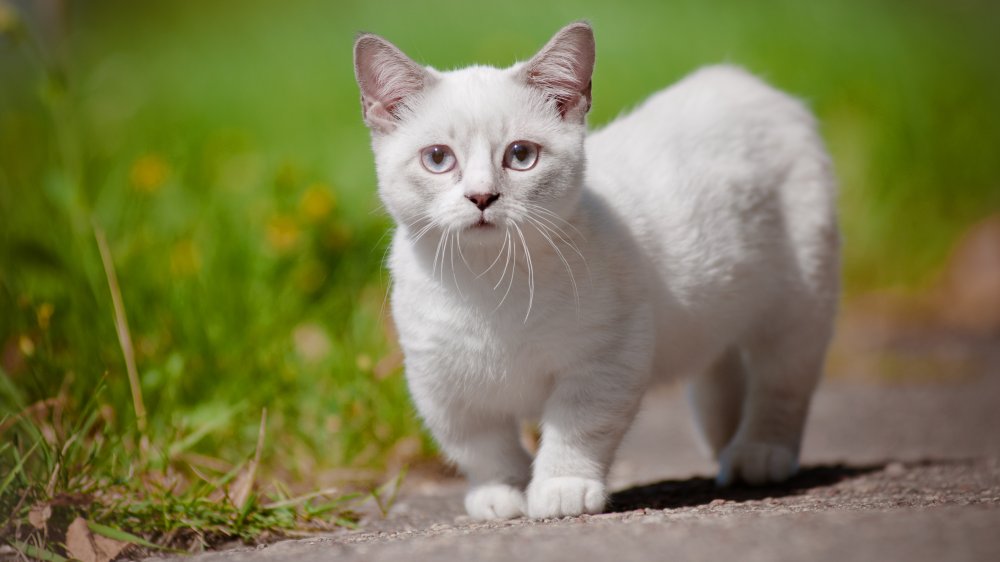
<point x="544" y="272"/>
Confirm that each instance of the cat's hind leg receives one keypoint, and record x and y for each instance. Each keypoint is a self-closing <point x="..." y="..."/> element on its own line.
<point x="716" y="401"/>
<point x="782" y="370"/>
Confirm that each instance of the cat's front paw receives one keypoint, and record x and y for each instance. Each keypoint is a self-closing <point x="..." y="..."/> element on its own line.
<point x="565" y="497"/>
<point x="494" y="501"/>
<point x="756" y="463"/>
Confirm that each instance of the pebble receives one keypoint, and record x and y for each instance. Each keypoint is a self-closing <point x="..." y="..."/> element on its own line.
<point x="895" y="469"/>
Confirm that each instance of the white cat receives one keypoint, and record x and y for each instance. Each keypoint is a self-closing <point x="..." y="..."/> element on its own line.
<point x="541" y="272"/>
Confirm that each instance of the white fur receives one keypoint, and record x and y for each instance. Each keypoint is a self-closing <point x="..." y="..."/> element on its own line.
<point x="694" y="236"/>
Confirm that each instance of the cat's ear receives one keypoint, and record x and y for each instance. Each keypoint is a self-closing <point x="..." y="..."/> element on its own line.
<point x="387" y="78"/>
<point x="563" y="68"/>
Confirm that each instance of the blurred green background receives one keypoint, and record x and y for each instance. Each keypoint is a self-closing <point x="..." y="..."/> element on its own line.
<point x="220" y="147"/>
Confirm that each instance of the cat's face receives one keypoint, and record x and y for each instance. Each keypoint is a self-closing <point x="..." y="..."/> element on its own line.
<point x="476" y="149"/>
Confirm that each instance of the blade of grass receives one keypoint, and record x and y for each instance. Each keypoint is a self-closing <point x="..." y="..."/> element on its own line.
<point x="248" y="506"/>
<point x="376" y="493"/>
<point x="397" y="485"/>
<point x="246" y="491"/>
<point x="343" y="522"/>
<point x="304" y="498"/>
<point x="123" y="536"/>
<point x="121" y="326"/>
<point x="17" y="469"/>
<point x="217" y="421"/>
<point x="227" y="477"/>
<point x="37" y="552"/>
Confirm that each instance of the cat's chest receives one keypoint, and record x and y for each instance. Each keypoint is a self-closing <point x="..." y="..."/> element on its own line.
<point x="480" y="357"/>
<point x="477" y="337"/>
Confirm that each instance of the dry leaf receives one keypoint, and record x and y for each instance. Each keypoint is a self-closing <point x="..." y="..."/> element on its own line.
<point x="84" y="546"/>
<point x="78" y="541"/>
<point x="109" y="548"/>
<point x="39" y="515"/>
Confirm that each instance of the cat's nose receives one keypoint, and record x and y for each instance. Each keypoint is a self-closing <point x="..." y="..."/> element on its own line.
<point x="483" y="200"/>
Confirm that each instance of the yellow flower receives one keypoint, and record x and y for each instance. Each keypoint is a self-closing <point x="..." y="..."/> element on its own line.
<point x="364" y="362"/>
<point x="317" y="202"/>
<point x="148" y="174"/>
<point x="26" y="346"/>
<point x="282" y="233"/>
<point x="44" y="314"/>
<point x="184" y="258"/>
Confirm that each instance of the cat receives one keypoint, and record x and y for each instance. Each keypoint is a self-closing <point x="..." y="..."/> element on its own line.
<point x="543" y="272"/>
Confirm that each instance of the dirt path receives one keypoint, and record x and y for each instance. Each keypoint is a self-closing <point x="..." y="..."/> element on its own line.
<point x="903" y="471"/>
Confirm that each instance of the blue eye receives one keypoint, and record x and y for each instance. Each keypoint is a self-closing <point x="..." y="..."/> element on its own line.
<point x="521" y="155"/>
<point x="437" y="159"/>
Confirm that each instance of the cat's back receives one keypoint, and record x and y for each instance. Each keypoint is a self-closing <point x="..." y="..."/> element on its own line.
<point x="719" y="117"/>
<point x="723" y="181"/>
<point x="716" y="149"/>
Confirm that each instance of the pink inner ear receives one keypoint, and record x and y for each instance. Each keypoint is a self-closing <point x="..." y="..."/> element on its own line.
<point x="567" y="97"/>
<point x="394" y="80"/>
<point x="385" y="75"/>
<point x="562" y="69"/>
<point x="567" y="94"/>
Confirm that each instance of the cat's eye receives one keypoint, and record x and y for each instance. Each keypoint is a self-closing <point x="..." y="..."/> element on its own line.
<point x="437" y="159"/>
<point x="521" y="155"/>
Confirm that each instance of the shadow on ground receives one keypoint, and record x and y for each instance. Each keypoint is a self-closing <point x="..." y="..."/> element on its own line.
<point x="669" y="494"/>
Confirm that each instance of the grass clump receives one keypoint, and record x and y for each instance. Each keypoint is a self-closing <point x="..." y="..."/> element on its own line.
<point x="162" y="296"/>
<point x="135" y="496"/>
<point x="141" y="501"/>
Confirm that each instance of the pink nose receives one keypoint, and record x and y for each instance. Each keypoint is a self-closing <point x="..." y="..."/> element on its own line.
<point x="483" y="200"/>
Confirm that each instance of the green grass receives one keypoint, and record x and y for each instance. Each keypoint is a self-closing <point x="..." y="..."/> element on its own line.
<point x="220" y="148"/>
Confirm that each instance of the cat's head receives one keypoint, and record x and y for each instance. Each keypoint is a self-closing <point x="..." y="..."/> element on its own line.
<point x="477" y="148"/>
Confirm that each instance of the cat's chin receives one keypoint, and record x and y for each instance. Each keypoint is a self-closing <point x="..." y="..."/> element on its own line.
<point x="482" y="225"/>
<point x="483" y="232"/>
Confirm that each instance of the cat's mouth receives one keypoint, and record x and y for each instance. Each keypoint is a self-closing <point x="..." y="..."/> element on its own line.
<point x="482" y="223"/>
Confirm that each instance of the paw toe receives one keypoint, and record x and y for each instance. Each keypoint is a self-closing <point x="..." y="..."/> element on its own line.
<point x="494" y="501"/>
<point x="756" y="464"/>
<point x="565" y="497"/>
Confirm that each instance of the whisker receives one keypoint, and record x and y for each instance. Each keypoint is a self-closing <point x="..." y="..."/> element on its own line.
<point x="572" y="278"/>
<point x="535" y="212"/>
<point x="422" y="232"/>
<point x="454" y="276"/>
<point x="500" y="253"/>
<point x="552" y="225"/>
<point x="385" y="256"/>
<point x="385" y="299"/>
<point x="506" y="242"/>
<point x="436" y="252"/>
<point x="414" y="221"/>
<point x="513" y="270"/>
<point x="553" y="215"/>
<point x="569" y="242"/>
<point x="381" y="238"/>
<point x="444" y="252"/>
<point x="458" y="236"/>
<point x="531" y="272"/>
